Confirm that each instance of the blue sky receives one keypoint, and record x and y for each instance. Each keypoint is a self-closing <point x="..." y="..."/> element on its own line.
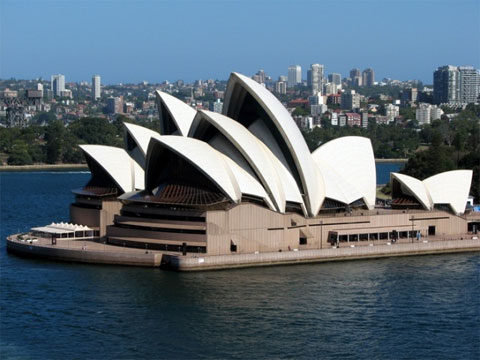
<point x="155" y="40"/>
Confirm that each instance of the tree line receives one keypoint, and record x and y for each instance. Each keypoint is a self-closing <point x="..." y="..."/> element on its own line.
<point x="441" y="146"/>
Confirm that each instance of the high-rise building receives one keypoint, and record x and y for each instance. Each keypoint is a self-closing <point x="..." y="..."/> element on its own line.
<point x="368" y="77"/>
<point x="335" y="78"/>
<point x="57" y="84"/>
<point x="355" y="77"/>
<point x="281" y="87"/>
<point x="446" y="87"/>
<point x="456" y="85"/>
<point x="115" y="105"/>
<point x="469" y="84"/>
<point x="350" y="100"/>
<point x="316" y="78"/>
<point x="96" y="90"/>
<point x="294" y="75"/>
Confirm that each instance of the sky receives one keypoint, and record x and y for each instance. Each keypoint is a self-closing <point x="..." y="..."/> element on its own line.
<point x="157" y="40"/>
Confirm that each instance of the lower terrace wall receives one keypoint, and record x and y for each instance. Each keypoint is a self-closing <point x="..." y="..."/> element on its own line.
<point x="96" y="218"/>
<point x="252" y="228"/>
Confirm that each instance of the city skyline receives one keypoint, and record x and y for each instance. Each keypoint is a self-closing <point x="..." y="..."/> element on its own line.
<point x="187" y="40"/>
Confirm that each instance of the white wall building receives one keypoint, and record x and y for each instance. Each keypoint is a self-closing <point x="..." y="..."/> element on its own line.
<point x="391" y="111"/>
<point x="96" y="89"/>
<point x="57" y="84"/>
<point x="294" y="75"/>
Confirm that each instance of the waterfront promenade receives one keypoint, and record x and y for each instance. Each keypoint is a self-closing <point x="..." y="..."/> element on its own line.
<point x="100" y="253"/>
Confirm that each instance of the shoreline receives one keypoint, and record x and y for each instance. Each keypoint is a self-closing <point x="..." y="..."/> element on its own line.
<point x="97" y="252"/>
<point x="401" y="160"/>
<point x="40" y="167"/>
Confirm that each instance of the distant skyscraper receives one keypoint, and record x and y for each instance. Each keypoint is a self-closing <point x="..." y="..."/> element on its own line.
<point x="356" y="77"/>
<point x="335" y="78"/>
<point x="57" y="84"/>
<point x="446" y="87"/>
<point x="281" y="87"/>
<point x="294" y="75"/>
<point x="96" y="90"/>
<point x="316" y="78"/>
<point x="368" y="77"/>
<point x="469" y="84"/>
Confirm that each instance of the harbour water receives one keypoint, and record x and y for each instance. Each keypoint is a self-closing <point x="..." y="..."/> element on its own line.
<point x="424" y="307"/>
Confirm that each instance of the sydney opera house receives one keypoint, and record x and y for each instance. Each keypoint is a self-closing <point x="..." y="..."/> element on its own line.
<point x="245" y="181"/>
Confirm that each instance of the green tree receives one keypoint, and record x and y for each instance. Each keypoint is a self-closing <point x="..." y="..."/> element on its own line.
<point x="54" y="137"/>
<point x="19" y="154"/>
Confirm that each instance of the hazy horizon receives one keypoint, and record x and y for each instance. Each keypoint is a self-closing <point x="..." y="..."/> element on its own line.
<point x="128" y="42"/>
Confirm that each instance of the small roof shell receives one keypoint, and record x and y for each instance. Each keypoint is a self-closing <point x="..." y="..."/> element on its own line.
<point x="181" y="113"/>
<point x="123" y="170"/>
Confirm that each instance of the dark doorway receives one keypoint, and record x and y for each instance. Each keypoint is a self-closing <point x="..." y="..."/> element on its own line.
<point x="431" y="230"/>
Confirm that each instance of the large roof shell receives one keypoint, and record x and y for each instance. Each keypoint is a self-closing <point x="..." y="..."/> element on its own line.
<point x="311" y="181"/>
<point x="181" y="113"/>
<point x="202" y="156"/>
<point x="451" y="187"/>
<point x="348" y="167"/>
<point x="116" y="162"/>
<point x="251" y="149"/>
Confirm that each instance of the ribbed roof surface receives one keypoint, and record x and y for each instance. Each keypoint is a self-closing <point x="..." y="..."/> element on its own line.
<point x="123" y="170"/>
<point x="182" y="114"/>
<point x="311" y="181"/>
<point x="348" y="168"/>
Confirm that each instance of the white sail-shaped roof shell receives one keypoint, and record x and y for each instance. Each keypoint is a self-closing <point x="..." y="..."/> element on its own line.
<point x="247" y="183"/>
<point x="348" y="168"/>
<point x="451" y="187"/>
<point x="124" y="171"/>
<point x="141" y="135"/>
<point x="415" y="188"/>
<point x="181" y="113"/>
<point x="288" y="183"/>
<point x="252" y="150"/>
<point x="206" y="159"/>
<point x="311" y="180"/>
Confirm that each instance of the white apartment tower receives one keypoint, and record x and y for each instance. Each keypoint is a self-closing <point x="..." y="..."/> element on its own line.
<point x="316" y="78"/>
<point x="57" y="84"/>
<point x="294" y="75"/>
<point x="469" y="84"/>
<point x="96" y="89"/>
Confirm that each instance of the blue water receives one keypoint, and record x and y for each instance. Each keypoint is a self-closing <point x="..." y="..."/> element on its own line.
<point x="424" y="307"/>
<point x="384" y="170"/>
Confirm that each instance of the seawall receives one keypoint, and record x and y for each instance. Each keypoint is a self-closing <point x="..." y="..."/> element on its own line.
<point x="98" y="253"/>
<point x="182" y="263"/>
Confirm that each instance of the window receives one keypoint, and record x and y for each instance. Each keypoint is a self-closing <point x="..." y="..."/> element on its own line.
<point x="303" y="241"/>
